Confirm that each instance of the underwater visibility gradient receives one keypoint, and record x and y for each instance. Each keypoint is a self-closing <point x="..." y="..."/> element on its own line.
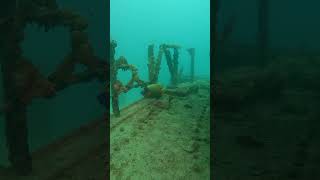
<point x="163" y="128"/>
<point x="137" y="24"/>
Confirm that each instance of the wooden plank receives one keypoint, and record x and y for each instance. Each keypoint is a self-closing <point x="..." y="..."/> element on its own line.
<point x="129" y="111"/>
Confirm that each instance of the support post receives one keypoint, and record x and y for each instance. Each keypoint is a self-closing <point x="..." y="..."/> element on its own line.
<point x="172" y="62"/>
<point x="154" y="63"/>
<point x="16" y="128"/>
<point x="192" y="55"/>
<point x="113" y="80"/>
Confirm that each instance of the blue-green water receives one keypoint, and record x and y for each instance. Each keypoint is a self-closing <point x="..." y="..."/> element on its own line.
<point x="288" y="28"/>
<point x="137" y="24"/>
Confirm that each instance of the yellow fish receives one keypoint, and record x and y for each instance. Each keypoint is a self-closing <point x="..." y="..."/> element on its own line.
<point x="153" y="91"/>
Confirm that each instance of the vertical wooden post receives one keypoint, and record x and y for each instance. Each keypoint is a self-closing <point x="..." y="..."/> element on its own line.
<point x="151" y="63"/>
<point x="172" y="62"/>
<point x="175" y="65"/>
<point x="113" y="80"/>
<point x="192" y="55"/>
<point x="16" y="118"/>
<point x="154" y="63"/>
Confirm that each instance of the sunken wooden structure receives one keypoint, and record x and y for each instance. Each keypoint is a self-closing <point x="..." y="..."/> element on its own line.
<point x="23" y="82"/>
<point x="154" y="63"/>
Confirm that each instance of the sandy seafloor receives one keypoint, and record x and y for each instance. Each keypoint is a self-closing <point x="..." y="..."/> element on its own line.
<point x="155" y="139"/>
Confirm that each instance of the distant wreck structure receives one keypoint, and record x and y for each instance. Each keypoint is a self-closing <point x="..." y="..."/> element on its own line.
<point x="154" y="63"/>
<point x="23" y="82"/>
<point x="171" y="53"/>
<point x="172" y="62"/>
<point x="192" y="55"/>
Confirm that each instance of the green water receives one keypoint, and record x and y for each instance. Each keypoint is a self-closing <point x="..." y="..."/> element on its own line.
<point x="137" y="24"/>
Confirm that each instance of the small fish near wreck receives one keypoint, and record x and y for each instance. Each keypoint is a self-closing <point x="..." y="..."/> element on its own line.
<point x="153" y="91"/>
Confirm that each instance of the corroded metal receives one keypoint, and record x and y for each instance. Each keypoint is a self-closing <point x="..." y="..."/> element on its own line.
<point x="117" y="87"/>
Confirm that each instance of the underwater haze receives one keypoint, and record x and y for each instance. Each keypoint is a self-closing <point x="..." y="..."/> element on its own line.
<point x="136" y="24"/>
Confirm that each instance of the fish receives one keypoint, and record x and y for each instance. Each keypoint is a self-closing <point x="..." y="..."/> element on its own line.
<point x="153" y="91"/>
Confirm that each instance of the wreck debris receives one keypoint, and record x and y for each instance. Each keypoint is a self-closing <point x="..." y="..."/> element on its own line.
<point x="183" y="90"/>
<point x="82" y="53"/>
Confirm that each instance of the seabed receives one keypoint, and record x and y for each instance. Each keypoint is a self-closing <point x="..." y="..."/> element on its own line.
<point x="166" y="138"/>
